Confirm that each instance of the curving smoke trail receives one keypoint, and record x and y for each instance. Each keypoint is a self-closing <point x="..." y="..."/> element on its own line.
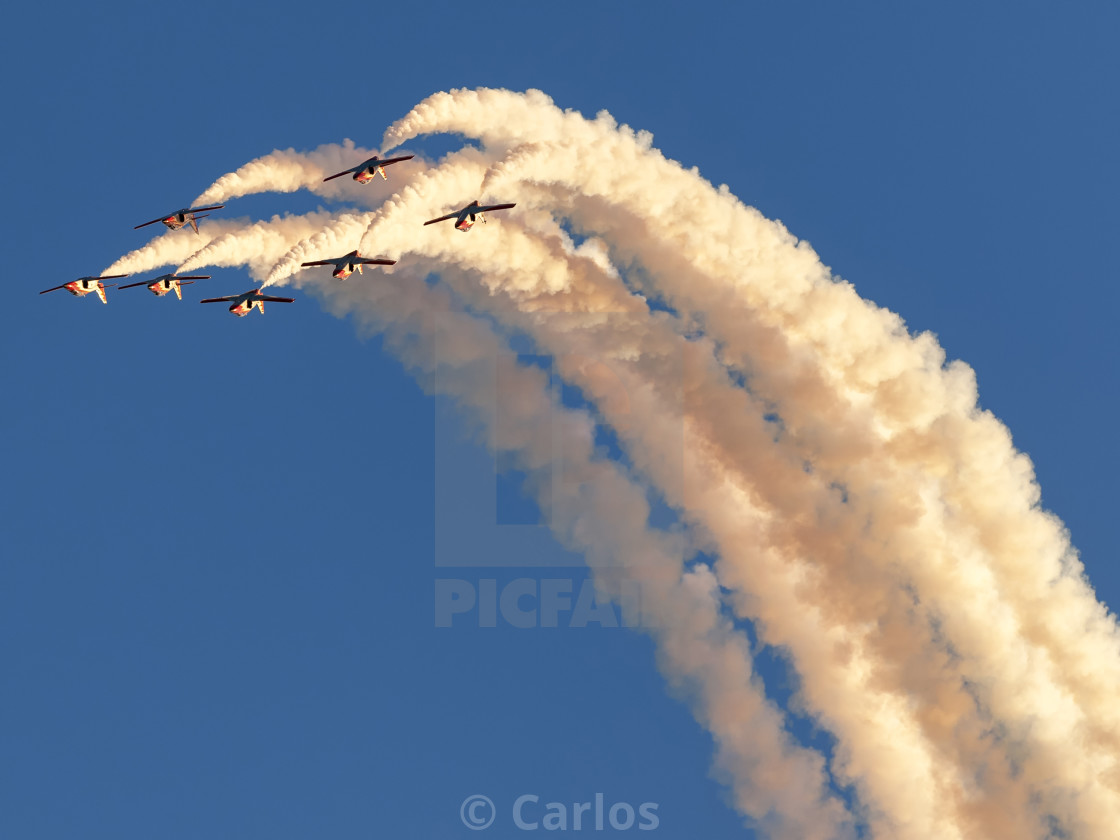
<point x="602" y="513"/>
<point x="284" y="171"/>
<point x="996" y="572"/>
<point x="512" y="265"/>
<point x="781" y="786"/>
<point x="257" y="246"/>
<point x="873" y="523"/>
<point x="171" y="248"/>
<point x="544" y="284"/>
<point x="287" y="170"/>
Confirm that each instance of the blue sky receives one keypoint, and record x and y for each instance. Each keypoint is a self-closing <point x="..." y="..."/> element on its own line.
<point x="216" y="593"/>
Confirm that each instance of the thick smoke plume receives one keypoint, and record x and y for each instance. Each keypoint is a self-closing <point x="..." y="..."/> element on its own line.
<point x="873" y="523"/>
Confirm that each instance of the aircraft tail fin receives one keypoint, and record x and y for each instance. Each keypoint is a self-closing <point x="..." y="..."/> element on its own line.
<point x="384" y="177"/>
<point x="194" y="224"/>
<point x="101" y="292"/>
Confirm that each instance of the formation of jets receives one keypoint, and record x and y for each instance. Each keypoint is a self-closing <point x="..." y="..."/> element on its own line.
<point x="246" y="302"/>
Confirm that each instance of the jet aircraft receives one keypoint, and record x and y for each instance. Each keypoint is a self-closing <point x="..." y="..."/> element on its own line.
<point x="186" y="216"/>
<point x="347" y="264"/>
<point x="244" y="303"/>
<point x="165" y="283"/>
<point x="84" y="285"/>
<point x="365" y="171"/>
<point x="465" y="218"/>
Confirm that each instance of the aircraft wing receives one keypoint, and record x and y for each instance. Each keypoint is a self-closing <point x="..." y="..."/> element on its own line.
<point x="211" y="207"/>
<point x="271" y="299"/>
<point x="321" y="262"/>
<point x="102" y="277"/>
<point x="365" y="261"/>
<point x="433" y="221"/>
<point x="141" y="283"/>
<point x="152" y="222"/>
<point x="340" y="174"/>
<point x="221" y="299"/>
<point x="495" y="207"/>
<point x="395" y="160"/>
<point x="193" y="277"/>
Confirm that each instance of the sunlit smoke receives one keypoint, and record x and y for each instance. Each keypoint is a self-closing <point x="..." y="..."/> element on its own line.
<point x="875" y="526"/>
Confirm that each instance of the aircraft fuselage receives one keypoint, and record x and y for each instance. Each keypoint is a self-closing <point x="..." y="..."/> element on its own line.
<point x="176" y="220"/>
<point x="345" y="270"/>
<point x="164" y="285"/>
<point x="242" y="308"/>
<point x="468" y="217"/>
<point x="370" y="169"/>
<point x="82" y="287"/>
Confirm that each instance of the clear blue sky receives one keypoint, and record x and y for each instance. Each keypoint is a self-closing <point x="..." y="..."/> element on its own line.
<point x="217" y="568"/>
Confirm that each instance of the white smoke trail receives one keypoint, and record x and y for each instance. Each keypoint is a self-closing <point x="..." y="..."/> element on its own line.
<point x="257" y="246"/>
<point x="713" y="659"/>
<point x="283" y="171"/>
<point x="604" y="515"/>
<point x="172" y="248"/>
<point x="540" y="274"/>
<point x="498" y="261"/>
<point x="968" y="608"/>
<point x="537" y="279"/>
<point x="287" y="170"/>
<point x="751" y="752"/>
<point x="339" y="237"/>
<point x="921" y="418"/>
<point x="908" y="568"/>
<point x="1023" y="686"/>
